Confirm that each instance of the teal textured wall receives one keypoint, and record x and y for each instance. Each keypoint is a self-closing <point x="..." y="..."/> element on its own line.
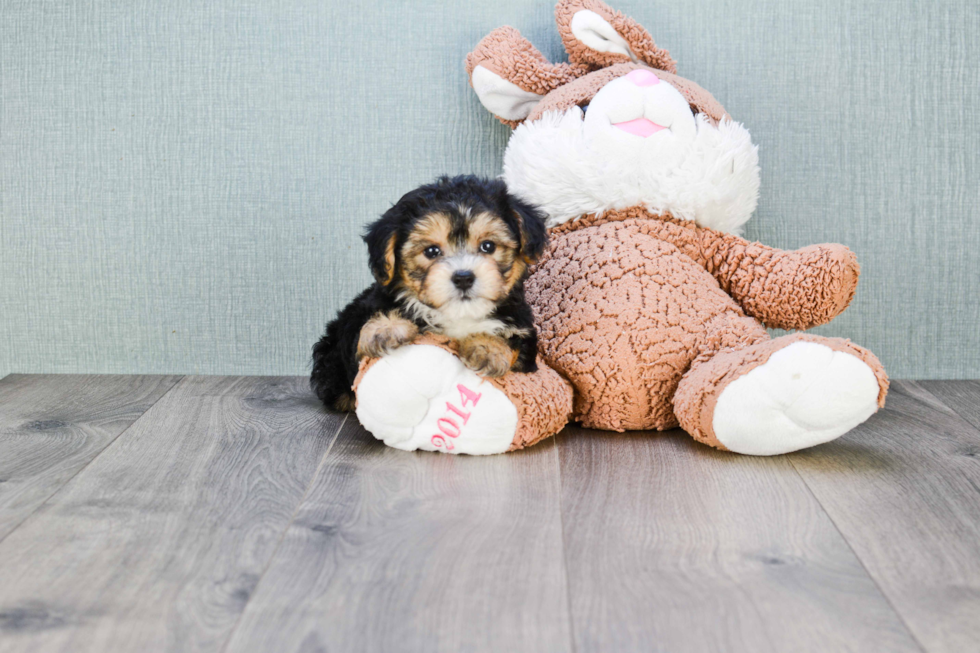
<point x="182" y="184"/>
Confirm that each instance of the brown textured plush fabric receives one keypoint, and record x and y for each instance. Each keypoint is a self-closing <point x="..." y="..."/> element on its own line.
<point x="508" y="54"/>
<point x="698" y="392"/>
<point x="797" y="289"/>
<point x="543" y="398"/>
<point x="583" y="89"/>
<point x="701" y="101"/>
<point x="638" y="39"/>
<point x="625" y="302"/>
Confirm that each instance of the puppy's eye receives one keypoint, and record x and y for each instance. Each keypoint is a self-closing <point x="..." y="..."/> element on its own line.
<point x="488" y="247"/>
<point x="432" y="251"/>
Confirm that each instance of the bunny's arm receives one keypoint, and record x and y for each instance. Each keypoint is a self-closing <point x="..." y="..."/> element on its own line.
<point x="796" y="289"/>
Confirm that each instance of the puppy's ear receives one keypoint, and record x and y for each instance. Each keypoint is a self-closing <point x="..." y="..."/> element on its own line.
<point x="381" y="238"/>
<point x="530" y="221"/>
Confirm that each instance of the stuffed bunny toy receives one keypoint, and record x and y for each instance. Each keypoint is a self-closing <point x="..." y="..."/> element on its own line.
<point x="646" y="301"/>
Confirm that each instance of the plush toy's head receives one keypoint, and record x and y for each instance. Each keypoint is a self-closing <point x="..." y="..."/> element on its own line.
<point x="615" y="127"/>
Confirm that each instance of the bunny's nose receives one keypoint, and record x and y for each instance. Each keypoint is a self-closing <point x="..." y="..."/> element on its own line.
<point x="642" y="77"/>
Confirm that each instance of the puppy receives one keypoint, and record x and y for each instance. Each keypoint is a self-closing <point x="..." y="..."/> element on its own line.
<point x="450" y="258"/>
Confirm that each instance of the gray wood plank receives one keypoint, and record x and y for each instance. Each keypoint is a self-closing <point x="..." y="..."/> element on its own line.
<point x="159" y="542"/>
<point x="904" y="489"/>
<point x="395" y="551"/>
<point x="52" y="425"/>
<point x="673" y="546"/>
<point x="962" y="396"/>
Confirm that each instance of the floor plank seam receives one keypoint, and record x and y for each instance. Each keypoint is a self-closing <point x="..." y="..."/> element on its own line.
<point x="81" y="469"/>
<point x="965" y="418"/>
<point x="285" y="530"/>
<point x="564" y="549"/>
<point x="857" y="557"/>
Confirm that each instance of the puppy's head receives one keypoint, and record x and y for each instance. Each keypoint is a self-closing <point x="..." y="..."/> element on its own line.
<point x="459" y="245"/>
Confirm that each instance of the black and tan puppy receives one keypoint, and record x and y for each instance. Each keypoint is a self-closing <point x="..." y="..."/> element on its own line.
<point x="450" y="258"/>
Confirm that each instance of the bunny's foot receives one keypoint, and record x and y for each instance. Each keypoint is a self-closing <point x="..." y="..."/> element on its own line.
<point x="421" y="396"/>
<point x="780" y="395"/>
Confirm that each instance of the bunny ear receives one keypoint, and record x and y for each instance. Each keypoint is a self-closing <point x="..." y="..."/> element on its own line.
<point x="596" y="36"/>
<point x="510" y="76"/>
<point x="502" y="98"/>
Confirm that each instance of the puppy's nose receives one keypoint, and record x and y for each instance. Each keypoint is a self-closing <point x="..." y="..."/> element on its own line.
<point x="642" y="77"/>
<point x="463" y="279"/>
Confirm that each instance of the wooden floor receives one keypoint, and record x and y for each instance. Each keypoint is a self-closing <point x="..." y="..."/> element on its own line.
<point x="155" y="513"/>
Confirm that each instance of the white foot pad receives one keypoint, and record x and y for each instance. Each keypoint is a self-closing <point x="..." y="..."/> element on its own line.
<point x="804" y="395"/>
<point x="423" y="397"/>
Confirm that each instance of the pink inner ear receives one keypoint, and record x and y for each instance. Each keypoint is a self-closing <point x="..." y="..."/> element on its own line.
<point x="640" y="127"/>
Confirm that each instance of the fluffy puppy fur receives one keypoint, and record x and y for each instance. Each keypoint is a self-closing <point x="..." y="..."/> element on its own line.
<point x="451" y="258"/>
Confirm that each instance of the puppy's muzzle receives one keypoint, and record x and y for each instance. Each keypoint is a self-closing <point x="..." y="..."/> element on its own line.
<point x="463" y="279"/>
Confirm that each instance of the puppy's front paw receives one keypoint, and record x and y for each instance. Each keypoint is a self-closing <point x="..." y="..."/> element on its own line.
<point x="486" y="355"/>
<point x="384" y="333"/>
